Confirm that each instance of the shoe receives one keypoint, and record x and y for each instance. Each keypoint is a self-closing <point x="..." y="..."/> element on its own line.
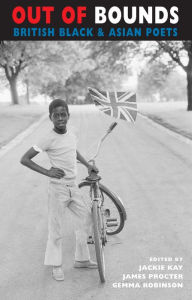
<point x="58" y="274"/>
<point x="86" y="264"/>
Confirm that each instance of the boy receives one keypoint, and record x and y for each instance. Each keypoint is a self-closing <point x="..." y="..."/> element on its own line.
<point x="60" y="145"/>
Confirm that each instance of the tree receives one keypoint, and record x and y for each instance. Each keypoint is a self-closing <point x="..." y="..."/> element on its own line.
<point x="14" y="57"/>
<point x="66" y="70"/>
<point x="109" y="63"/>
<point x="54" y="65"/>
<point x="121" y="54"/>
<point x="76" y="85"/>
<point x="38" y="64"/>
<point x="157" y="81"/>
<point x="151" y="81"/>
<point x="181" y="53"/>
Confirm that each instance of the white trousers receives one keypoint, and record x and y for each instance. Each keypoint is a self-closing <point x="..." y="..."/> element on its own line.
<point x="60" y="197"/>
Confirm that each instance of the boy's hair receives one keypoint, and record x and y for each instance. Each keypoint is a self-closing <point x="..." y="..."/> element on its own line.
<point x="58" y="102"/>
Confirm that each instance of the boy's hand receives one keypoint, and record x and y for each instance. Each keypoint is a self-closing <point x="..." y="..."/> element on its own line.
<point x="56" y="173"/>
<point x="92" y="168"/>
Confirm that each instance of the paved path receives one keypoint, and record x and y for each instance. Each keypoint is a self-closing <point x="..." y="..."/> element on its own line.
<point x="16" y="118"/>
<point x="151" y="172"/>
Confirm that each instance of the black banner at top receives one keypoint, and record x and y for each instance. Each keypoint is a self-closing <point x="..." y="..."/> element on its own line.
<point x="95" y="20"/>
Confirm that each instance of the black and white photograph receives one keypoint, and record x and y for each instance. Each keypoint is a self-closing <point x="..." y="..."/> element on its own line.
<point x="95" y="160"/>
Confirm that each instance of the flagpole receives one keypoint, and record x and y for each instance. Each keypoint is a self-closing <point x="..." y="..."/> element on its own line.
<point x="111" y="127"/>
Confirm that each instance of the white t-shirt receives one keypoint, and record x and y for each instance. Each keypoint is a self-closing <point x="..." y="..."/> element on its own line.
<point x="61" y="150"/>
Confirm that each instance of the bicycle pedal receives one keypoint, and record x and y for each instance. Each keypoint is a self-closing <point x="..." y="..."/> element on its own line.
<point x="111" y="224"/>
<point x="90" y="240"/>
<point x="90" y="243"/>
<point x="111" y="219"/>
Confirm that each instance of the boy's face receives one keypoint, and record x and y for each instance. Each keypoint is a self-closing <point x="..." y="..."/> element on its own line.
<point x="59" y="117"/>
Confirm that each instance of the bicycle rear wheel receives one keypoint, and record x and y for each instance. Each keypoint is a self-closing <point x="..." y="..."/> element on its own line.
<point x="113" y="213"/>
<point x="99" y="245"/>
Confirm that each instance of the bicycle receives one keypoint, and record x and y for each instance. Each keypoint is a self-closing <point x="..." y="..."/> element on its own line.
<point x="104" y="218"/>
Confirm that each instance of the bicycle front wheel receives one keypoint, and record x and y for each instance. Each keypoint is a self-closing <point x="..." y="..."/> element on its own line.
<point x="113" y="212"/>
<point x="99" y="246"/>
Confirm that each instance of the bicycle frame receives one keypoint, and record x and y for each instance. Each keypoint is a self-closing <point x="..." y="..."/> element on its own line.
<point x="99" y="224"/>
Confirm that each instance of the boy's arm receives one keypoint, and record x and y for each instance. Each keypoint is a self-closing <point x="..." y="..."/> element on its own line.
<point x="86" y="164"/>
<point x="26" y="160"/>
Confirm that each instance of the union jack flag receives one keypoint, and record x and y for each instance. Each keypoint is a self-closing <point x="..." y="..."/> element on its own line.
<point x="120" y="105"/>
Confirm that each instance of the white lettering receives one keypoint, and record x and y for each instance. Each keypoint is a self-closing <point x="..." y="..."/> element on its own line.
<point x="174" y="16"/>
<point x="147" y="15"/>
<point x="133" y="15"/>
<point x="159" y="10"/>
<point x="100" y="16"/>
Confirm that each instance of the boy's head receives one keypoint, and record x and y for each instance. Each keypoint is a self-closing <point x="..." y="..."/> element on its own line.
<point x="59" y="114"/>
<point x="58" y="102"/>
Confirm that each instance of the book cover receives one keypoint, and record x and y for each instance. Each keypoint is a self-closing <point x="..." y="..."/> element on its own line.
<point x="115" y="53"/>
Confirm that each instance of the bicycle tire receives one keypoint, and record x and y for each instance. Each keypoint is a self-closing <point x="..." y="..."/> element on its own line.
<point x="99" y="248"/>
<point x="106" y="192"/>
